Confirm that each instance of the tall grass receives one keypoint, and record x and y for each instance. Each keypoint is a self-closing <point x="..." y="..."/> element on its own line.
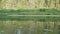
<point x="4" y="13"/>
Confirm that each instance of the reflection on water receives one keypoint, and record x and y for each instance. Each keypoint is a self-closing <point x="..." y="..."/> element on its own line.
<point x="1" y="31"/>
<point x="18" y="31"/>
<point x="28" y="27"/>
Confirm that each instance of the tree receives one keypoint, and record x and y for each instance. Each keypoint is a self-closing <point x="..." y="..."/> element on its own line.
<point x="46" y="1"/>
<point x="0" y="4"/>
<point x="59" y="1"/>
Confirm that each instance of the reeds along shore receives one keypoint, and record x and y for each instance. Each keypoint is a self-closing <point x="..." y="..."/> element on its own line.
<point x="11" y="4"/>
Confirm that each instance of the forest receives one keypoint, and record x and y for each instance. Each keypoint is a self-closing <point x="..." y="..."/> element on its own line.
<point x="29" y="4"/>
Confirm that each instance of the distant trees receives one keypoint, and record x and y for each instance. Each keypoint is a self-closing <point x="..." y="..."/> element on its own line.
<point x="30" y="3"/>
<point x="0" y="4"/>
<point x="0" y="0"/>
<point x="46" y="1"/>
<point x="59" y="1"/>
<point x="9" y="4"/>
<point x="52" y="3"/>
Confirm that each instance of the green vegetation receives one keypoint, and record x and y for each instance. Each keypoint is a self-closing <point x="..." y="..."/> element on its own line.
<point x="4" y="13"/>
<point x="43" y="19"/>
<point x="30" y="4"/>
<point x="31" y="12"/>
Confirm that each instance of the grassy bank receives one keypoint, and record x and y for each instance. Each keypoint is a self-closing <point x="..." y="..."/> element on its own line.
<point x="4" y="13"/>
<point x="32" y="12"/>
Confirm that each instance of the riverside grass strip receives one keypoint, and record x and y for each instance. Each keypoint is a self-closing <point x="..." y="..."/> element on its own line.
<point x="26" y="18"/>
<point x="4" y="15"/>
<point x="30" y="12"/>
